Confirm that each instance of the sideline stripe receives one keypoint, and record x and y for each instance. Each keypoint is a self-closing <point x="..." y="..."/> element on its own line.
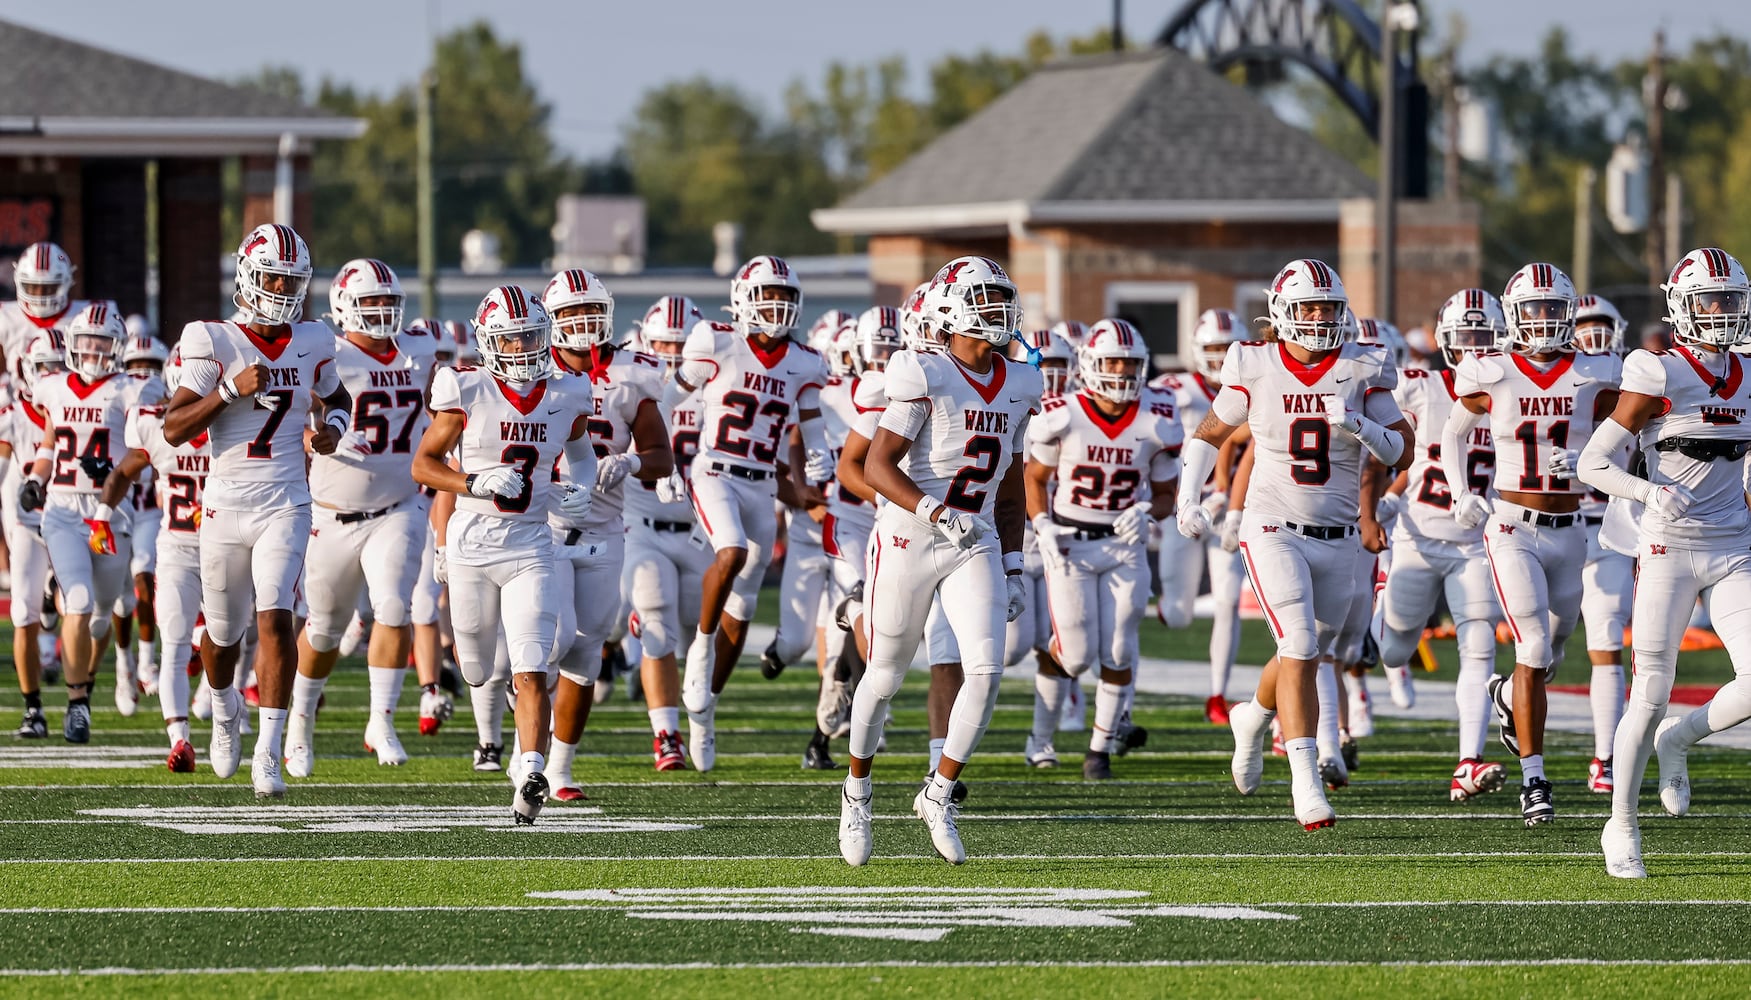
<point x="658" y="784"/>
<point x="739" y="858"/>
<point x="908" y="817"/>
<point x="616" y="908"/>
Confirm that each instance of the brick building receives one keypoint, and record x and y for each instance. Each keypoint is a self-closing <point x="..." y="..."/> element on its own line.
<point x="1144" y="186"/>
<point x="79" y="127"/>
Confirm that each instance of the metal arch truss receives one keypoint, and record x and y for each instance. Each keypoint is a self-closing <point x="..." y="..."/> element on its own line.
<point x="1335" y="39"/>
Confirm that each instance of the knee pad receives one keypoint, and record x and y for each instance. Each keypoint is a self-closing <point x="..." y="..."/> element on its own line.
<point x="100" y="626"/>
<point x="982" y="689"/>
<point x="1398" y="647"/>
<point x="656" y="635"/>
<point x="1302" y="645"/>
<point x="581" y="664"/>
<point x="1173" y="614"/>
<point x="392" y="611"/>
<point x="528" y="658"/>
<point x="321" y="639"/>
<point x="1476" y="641"/>
<point x="882" y="679"/>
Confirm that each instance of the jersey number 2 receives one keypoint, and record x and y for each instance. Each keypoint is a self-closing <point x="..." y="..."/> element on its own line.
<point x="984" y="451"/>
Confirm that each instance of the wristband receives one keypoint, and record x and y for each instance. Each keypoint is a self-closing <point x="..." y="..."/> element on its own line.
<point x="104" y="512"/>
<point x="927" y="507"/>
<point x="633" y="463"/>
<point x="44" y="454"/>
<point x="228" y="391"/>
<point x="339" y="419"/>
<point x="467" y="487"/>
<point x="1013" y="563"/>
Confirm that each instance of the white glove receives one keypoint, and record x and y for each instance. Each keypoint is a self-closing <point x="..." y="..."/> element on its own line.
<point x="1216" y="503"/>
<point x="1388" y="508"/>
<point x="1231" y="531"/>
<point x="819" y="465"/>
<point x="353" y="441"/>
<point x="1670" y="500"/>
<point x="1471" y="510"/>
<point x="612" y="470"/>
<point x="575" y="500"/>
<point x="1562" y="462"/>
<point x="961" y="528"/>
<point x="1339" y="414"/>
<point x="1049" y="535"/>
<point x="502" y="481"/>
<point x="672" y="488"/>
<point x="1017" y="596"/>
<point x="440" y="568"/>
<point x="1194" y="521"/>
<point x="1132" y="526"/>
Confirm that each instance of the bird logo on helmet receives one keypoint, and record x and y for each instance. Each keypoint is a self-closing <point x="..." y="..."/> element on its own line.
<point x="582" y="310"/>
<point x="1708" y="299"/>
<point x="514" y="334"/>
<point x="1471" y="320"/>
<point x="273" y="274"/>
<point x="1113" y="361"/>
<point x="1217" y="329"/>
<point x="1308" y="305"/>
<point x="765" y="298"/>
<point x="43" y="277"/>
<point x="1539" y="306"/>
<point x="94" y="339"/>
<point x="365" y="297"/>
<point x="1599" y="327"/>
<point x="973" y="297"/>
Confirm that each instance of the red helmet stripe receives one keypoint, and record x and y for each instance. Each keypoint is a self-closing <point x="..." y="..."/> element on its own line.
<point x="42" y="256"/>
<point x="515" y="303"/>
<point x="381" y="270"/>
<point x="890" y="317"/>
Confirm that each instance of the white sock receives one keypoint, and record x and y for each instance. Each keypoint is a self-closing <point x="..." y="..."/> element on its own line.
<point x="1108" y="698"/>
<point x="148" y="654"/>
<point x="489" y="711"/>
<point x="1605" y="693"/>
<point x="1531" y="767"/>
<point x="306" y="692"/>
<point x="1303" y="759"/>
<point x="173" y="684"/>
<point x="272" y="736"/>
<point x="857" y="788"/>
<point x="124" y="661"/>
<point x="385" y="689"/>
<point x="1049" y="695"/>
<point x="560" y="756"/>
<point x="532" y="762"/>
<point x="941" y="787"/>
<point x="226" y="702"/>
<point x="177" y="731"/>
<point x="936" y="752"/>
<point x="665" y="720"/>
<point x="1473" y="695"/>
<point x="1329" y="739"/>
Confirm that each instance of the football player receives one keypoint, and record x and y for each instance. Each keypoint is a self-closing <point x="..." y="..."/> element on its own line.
<point x="946" y="457"/>
<point x="1032" y="632"/>
<point x="249" y="385"/>
<point x="1540" y="401"/>
<point x="143" y="363"/>
<point x="43" y="278"/>
<point x="21" y="431"/>
<point x="630" y="443"/>
<point x="756" y="381"/>
<point x="1113" y="447"/>
<point x="1688" y="409"/>
<point x="1317" y="404"/>
<point x="1432" y="555"/>
<point x="508" y="424"/>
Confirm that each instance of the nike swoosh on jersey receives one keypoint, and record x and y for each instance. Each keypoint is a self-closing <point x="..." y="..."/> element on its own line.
<point x="553" y="411"/>
<point x="1340" y="381"/>
<point x="304" y="354"/>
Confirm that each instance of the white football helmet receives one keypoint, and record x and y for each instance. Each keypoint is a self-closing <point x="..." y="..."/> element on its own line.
<point x="915" y="331"/>
<point x="592" y="322"/>
<point x="144" y="349"/>
<point x="272" y="253"/>
<point x="443" y="345"/>
<point x="1308" y="305"/>
<point x="877" y="337"/>
<point x="362" y="279"/>
<point x="1599" y="327"/>
<point x="172" y="371"/>
<point x="1470" y="320"/>
<point x="94" y="339"/>
<point x="461" y="333"/>
<point x="1380" y="333"/>
<point x="825" y="329"/>
<point x="515" y="334"/>
<point x="1216" y="330"/>
<point x="1539" y="304"/>
<point x="1708" y="299"/>
<point x="44" y="280"/>
<point x="973" y="297"/>
<point x="842" y="350"/>
<point x="1057" y="359"/>
<point x="765" y="298"/>
<point x="1075" y="334"/>
<point x="1114" y="360"/>
<point x="42" y="358"/>
<point x="665" y="327"/>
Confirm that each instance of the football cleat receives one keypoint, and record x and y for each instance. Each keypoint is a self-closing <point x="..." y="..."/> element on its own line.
<point x="34" y="727"/>
<point x="1216" y="710"/>
<point x="667" y="753"/>
<point x="1361" y="709"/>
<point x="1599" y="776"/>
<point x="833" y="707"/>
<point x="696" y="673"/>
<point x="202" y="705"/>
<point x="1536" y="803"/>
<point x="1128" y="736"/>
<point x="77" y="727"/>
<point x="1074" y="717"/>
<point x="436" y="708"/>
<point x="816" y="757"/>
<point x="148" y="679"/>
<point x="354" y="636"/>
<point x="1399" y="686"/>
<point x="252" y="696"/>
<point x="1504" y="713"/>
<point x="1474" y="777"/>
<point x="182" y="758"/>
<point x="1333" y="772"/>
<point x="1312" y="810"/>
<point x="939" y="818"/>
<point x="380" y="738"/>
<point x="1097" y="766"/>
<point x="1249" y="723"/>
<point x="530" y="797"/>
<point x="958" y="795"/>
<point x="1674" y="768"/>
<point x="855" y="821"/>
<point x="300" y="744"/>
<point x="127" y="692"/>
<point x="702" y="738"/>
<point x="1040" y="753"/>
<point x="225" y="752"/>
<point x="488" y="757"/>
<point x="566" y="788"/>
<point x="846" y="612"/>
<point x="1349" y="750"/>
<point x="1622" y="844"/>
<point x="1277" y="747"/>
<point x="770" y="665"/>
<point x="264" y="774"/>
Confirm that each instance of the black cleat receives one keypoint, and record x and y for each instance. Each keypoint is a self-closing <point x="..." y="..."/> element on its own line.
<point x="1348" y="749"/>
<point x="1504" y="713"/>
<point x="1536" y="805"/>
<point x="530" y="798"/>
<point x="1097" y="766"/>
<point x="816" y="757"/>
<point x="1127" y="737"/>
<point x="958" y="794"/>
<point x="842" y="616"/>
<point x="488" y="757"/>
<point x="770" y="665"/>
<point x="77" y="728"/>
<point x="34" y="727"/>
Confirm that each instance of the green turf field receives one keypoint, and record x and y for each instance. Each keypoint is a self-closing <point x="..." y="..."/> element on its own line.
<point x="412" y="881"/>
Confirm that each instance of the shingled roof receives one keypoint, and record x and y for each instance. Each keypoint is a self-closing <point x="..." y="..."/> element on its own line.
<point x="1140" y="137"/>
<point x="54" y="90"/>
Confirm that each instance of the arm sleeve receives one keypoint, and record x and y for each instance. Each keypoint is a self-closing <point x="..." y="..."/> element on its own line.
<point x="1198" y="460"/>
<point x="580" y="456"/>
<point x="1460" y="423"/>
<point x="1598" y="466"/>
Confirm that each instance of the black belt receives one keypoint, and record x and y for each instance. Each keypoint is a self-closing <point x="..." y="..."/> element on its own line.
<point x="741" y="471"/>
<point x="1595" y="519"/>
<point x="1543" y="520"/>
<point x="1324" y="533"/>
<point x="573" y="535"/>
<point x="357" y="516"/>
<point x="1704" y="449"/>
<point x="1085" y="532"/>
<point x="675" y="526"/>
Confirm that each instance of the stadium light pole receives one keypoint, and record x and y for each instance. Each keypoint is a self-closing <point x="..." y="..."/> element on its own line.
<point x="1400" y="17"/>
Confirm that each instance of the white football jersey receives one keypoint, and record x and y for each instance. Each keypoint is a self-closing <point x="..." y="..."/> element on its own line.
<point x="1427" y="398"/>
<point x="18" y="328"/>
<point x="1305" y="472"/>
<point x="148" y="387"/>
<point x="1533" y="411"/>
<point x="628" y="381"/>
<point x="1105" y="466"/>
<point x="974" y="425"/>
<point x="388" y="389"/>
<point x="1700" y="405"/>
<point x="258" y="449"/>
<point x="750" y="395"/>
<point x="867" y="396"/>
<point x="22" y="426"/>
<point x="181" y="471"/>
<point x="641" y="496"/>
<point x="89" y="420"/>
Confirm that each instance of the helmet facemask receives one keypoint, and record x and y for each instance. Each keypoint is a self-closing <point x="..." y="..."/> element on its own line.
<point x="1315" y="324"/>
<point x="43" y="299"/>
<point x="274" y="296"/>
<point x="1542" y="325"/>
<point x="516" y="353"/>
<point x="583" y="326"/>
<point x="1717" y="317"/>
<point x="769" y="310"/>
<point x="985" y="311"/>
<point x="1055" y="372"/>
<point x="1598" y="336"/>
<point x="92" y="353"/>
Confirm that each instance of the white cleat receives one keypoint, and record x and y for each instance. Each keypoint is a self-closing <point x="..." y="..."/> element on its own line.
<point x="939" y="817"/>
<point x="1622" y="844"/>
<point x="1400" y="686"/>
<point x="127" y="692"/>
<point x="225" y="752"/>
<point x="1040" y="753"/>
<point x="300" y="745"/>
<point x="148" y="679"/>
<point x="696" y="676"/>
<point x="354" y="636"/>
<point x="1674" y="767"/>
<point x="1361" y="709"/>
<point x="1250" y="724"/>
<point x="1073" y="717"/>
<point x="264" y="774"/>
<point x="1312" y="810"/>
<point x="380" y="737"/>
<point x="202" y="705"/>
<point x="702" y="737"/>
<point x="855" y="839"/>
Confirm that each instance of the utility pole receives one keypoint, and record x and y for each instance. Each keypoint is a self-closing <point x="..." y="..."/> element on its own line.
<point x="1118" y="25"/>
<point x="1450" y="165"/>
<point x="1674" y="220"/>
<point x="1655" y="254"/>
<point x="1582" y="268"/>
<point x="1398" y="17"/>
<point x="428" y="223"/>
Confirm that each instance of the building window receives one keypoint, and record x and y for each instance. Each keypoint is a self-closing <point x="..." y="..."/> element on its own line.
<point x="1165" y="312"/>
<point x="1249" y="302"/>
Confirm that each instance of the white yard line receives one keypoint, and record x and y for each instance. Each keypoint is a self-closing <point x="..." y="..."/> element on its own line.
<point x="742" y="858"/>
